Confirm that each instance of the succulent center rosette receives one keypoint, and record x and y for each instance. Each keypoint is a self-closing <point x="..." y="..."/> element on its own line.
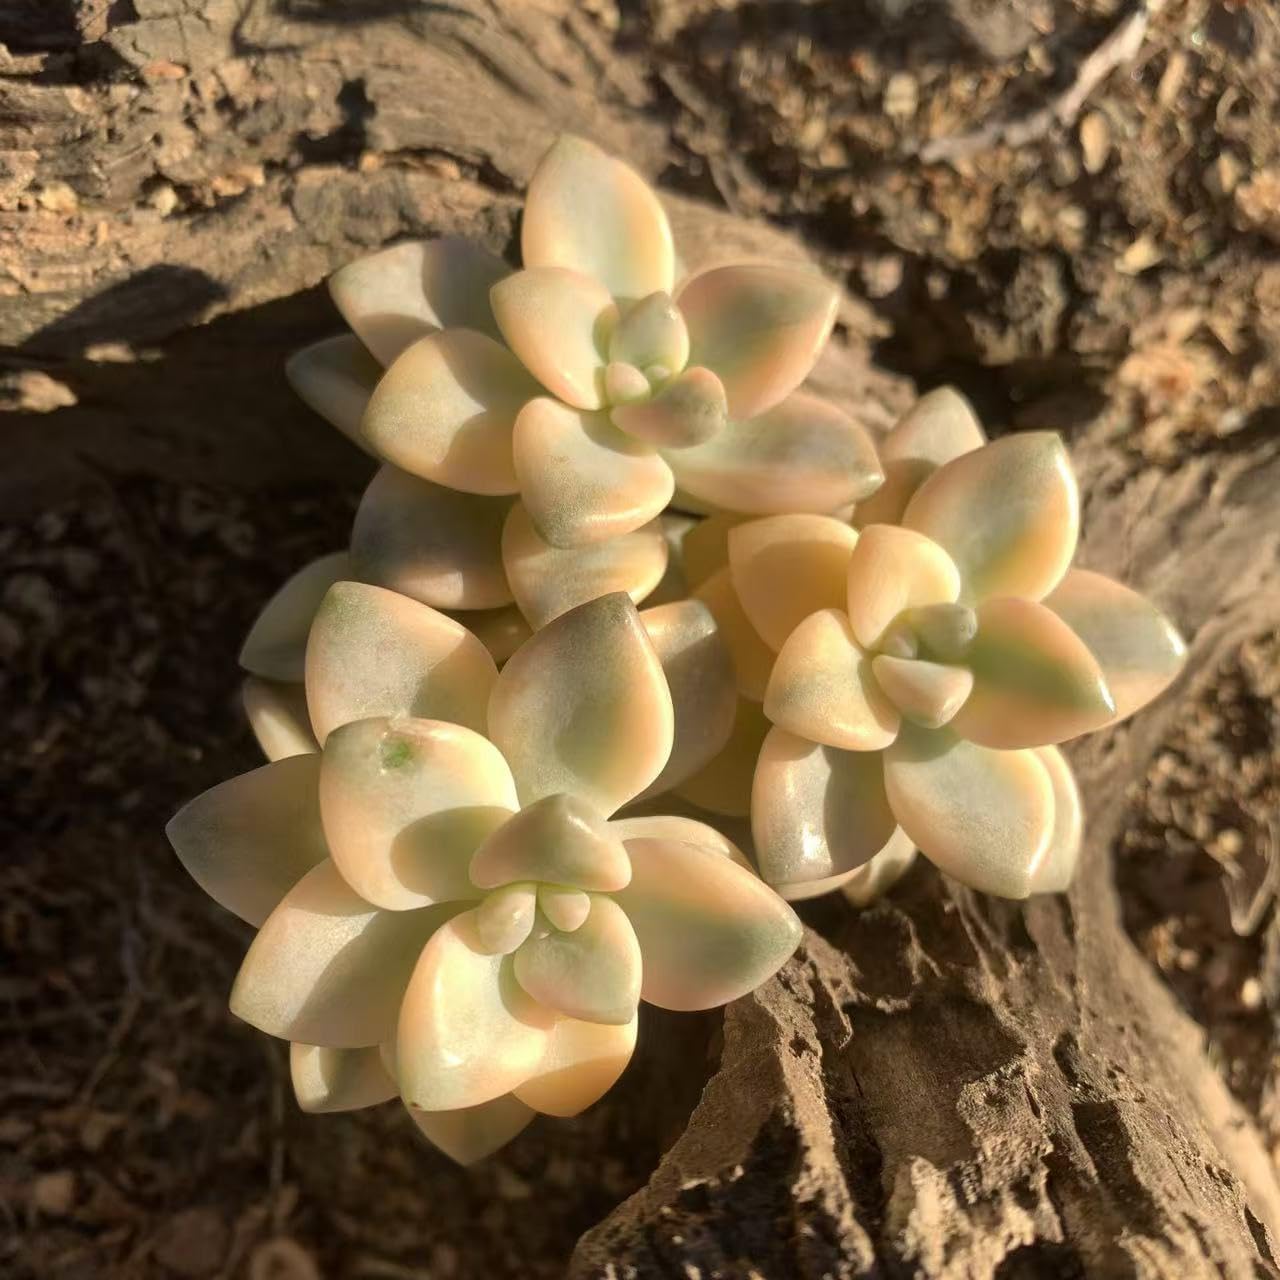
<point x="447" y="909"/>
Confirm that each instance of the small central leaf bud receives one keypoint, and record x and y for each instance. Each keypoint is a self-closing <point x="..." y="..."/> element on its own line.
<point x="945" y="630"/>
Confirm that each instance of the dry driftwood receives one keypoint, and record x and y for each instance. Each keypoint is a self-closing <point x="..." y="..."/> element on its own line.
<point x="943" y="1086"/>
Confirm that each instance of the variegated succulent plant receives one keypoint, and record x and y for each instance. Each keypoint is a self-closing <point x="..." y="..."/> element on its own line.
<point x="446" y="908"/>
<point x="905" y="684"/>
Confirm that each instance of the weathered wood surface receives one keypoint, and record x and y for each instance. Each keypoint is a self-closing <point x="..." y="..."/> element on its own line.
<point x="944" y="1086"/>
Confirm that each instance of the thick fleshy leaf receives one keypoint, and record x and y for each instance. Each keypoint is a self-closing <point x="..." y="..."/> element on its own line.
<point x="582" y="1062"/>
<point x="335" y="378"/>
<point x="592" y="973"/>
<point x="699" y="673"/>
<point x="591" y="212"/>
<point x="875" y="878"/>
<point x="276" y="645"/>
<point x="938" y="427"/>
<point x="1035" y="682"/>
<point x="405" y="804"/>
<point x="982" y="816"/>
<point x="501" y="631"/>
<point x="816" y="812"/>
<point x="438" y="545"/>
<point x="468" y="1032"/>
<point x="723" y="786"/>
<point x="752" y="659"/>
<point x="559" y="323"/>
<point x="506" y="917"/>
<point x="445" y="411"/>
<point x="581" y="479"/>
<point x="709" y="931"/>
<point x="1008" y="514"/>
<point x="396" y="296"/>
<point x="823" y="689"/>
<point x="688" y="411"/>
<point x="470" y="1134"/>
<point x="893" y="569"/>
<point x="277" y="714"/>
<point x="249" y="840"/>
<point x="929" y="693"/>
<point x="1056" y="868"/>
<point x="943" y="631"/>
<point x="339" y="1079"/>
<point x="583" y="708"/>
<point x="704" y="549"/>
<point x="1137" y="647"/>
<point x="760" y="328"/>
<point x="652" y="332"/>
<point x="565" y="909"/>
<point x="624" y="383"/>
<point x="683" y="830"/>
<point x="374" y="652"/>
<point x="560" y="839"/>
<point x="804" y="454"/>
<point x="549" y="581"/>
<point x="786" y="568"/>
<point x="327" y="967"/>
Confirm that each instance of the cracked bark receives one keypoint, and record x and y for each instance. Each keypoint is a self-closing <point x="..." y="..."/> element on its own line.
<point x="942" y="1086"/>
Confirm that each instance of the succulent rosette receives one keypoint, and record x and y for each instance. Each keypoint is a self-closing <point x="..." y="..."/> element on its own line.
<point x="914" y="679"/>
<point x="535" y="423"/>
<point x="447" y="909"/>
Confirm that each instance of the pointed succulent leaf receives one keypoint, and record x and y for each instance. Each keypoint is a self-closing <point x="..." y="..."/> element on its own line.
<point x="760" y="328"/>
<point x="689" y="410"/>
<point x="590" y="212"/>
<point x="394" y="297"/>
<point x="1056" y="868"/>
<point x="874" y="879"/>
<point x="560" y="839"/>
<point x="804" y="454"/>
<point x="437" y="545"/>
<point x="565" y="909"/>
<point x="893" y="569"/>
<point x="624" y="383"/>
<point x="709" y="931"/>
<point x="549" y="581"/>
<point x="581" y="1063"/>
<point x="592" y="973"/>
<point x="276" y="645"/>
<point x="984" y="817"/>
<point x="468" y="1032"/>
<point x="468" y="1135"/>
<point x="786" y="568"/>
<point x="682" y="830"/>
<point x="816" y="812"/>
<point x="723" y="786"/>
<point x="501" y="631"/>
<point x="1035" y="682"/>
<point x="373" y="652"/>
<point x="558" y="323"/>
<point x="277" y="714"/>
<point x="652" y="332"/>
<point x="1008" y="514"/>
<point x="581" y="479"/>
<point x="335" y="378"/>
<point x="445" y="411"/>
<point x="940" y="426"/>
<point x="699" y="673"/>
<point x="752" y="659"/>
<point x="823" y="688"/>
<point x="704" y="549"/>
<point x="506" y="917"/>
<point x="339" y="1079"/>
<point x="405" y="804"/>
<point x="327" y="967"/>
<point x="249" y="840"/>
<point x="928" y="693"/>
<point x="583" y="708"/>
<point x="1137" y="647"/>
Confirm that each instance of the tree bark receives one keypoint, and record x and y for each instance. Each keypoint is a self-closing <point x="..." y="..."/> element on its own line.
<point x="944" y="1085"/>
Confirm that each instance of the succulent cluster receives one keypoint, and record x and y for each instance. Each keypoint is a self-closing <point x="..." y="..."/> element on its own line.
<point x="501" y="802"/>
